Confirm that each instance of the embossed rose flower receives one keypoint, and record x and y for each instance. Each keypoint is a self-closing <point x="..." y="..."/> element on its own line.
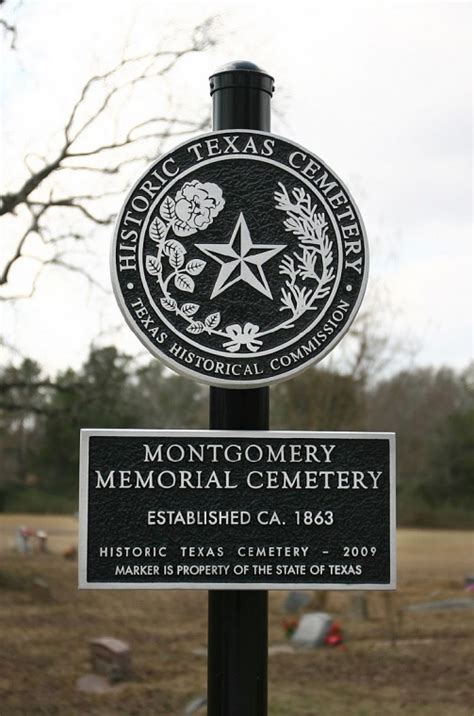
<point x="245" y="336"/>
<point x="197" y="205"/>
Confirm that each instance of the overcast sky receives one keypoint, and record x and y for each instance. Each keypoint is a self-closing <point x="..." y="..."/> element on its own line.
<point x="381" y="91"/>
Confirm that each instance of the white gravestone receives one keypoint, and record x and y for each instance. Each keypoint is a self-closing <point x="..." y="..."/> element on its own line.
<point x="312" y="629"/>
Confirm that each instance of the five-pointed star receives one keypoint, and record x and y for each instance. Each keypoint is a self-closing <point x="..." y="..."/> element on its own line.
<point x="241" y="260"/>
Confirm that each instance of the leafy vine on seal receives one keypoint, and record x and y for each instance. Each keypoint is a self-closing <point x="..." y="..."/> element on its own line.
<point x="194" y="208"/>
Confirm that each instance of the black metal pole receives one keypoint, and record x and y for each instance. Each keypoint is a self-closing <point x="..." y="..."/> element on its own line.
<point x="238" y="620"/>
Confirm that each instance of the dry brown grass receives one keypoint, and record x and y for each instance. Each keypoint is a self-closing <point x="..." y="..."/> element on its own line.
<point x="43" y="646"/>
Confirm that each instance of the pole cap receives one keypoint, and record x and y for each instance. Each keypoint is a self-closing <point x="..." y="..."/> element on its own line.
<point x="242" y="73"/>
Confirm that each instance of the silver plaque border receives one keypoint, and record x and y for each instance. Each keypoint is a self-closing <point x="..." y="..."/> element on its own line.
<point x="86" y="434"/>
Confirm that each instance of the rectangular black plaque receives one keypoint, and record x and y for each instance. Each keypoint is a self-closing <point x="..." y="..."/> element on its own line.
<point x="236" y="510"/>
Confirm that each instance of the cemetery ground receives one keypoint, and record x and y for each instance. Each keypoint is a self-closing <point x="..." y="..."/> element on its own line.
<point x="415" y="663"/>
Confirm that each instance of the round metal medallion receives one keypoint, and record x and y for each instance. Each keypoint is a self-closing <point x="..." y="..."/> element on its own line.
<point x="239" y="258"/>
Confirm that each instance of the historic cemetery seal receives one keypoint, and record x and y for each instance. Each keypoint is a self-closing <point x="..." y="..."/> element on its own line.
<point x="239" y="258"/>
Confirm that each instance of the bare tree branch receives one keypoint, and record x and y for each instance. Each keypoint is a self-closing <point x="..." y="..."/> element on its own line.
<point x="104" y="162"/>
<point x="33" y="227"/>
<point x="58" y="261"/>
<point x="9" y="29"/>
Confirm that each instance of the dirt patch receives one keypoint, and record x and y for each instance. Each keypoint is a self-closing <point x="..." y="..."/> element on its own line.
<point x="44" y="645"/>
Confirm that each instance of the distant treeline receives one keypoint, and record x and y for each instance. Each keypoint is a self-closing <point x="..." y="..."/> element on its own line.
<point x="431" y="410"/>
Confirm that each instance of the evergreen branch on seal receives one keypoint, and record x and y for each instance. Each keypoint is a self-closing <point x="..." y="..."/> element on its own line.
<point x="314" y="261"/>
